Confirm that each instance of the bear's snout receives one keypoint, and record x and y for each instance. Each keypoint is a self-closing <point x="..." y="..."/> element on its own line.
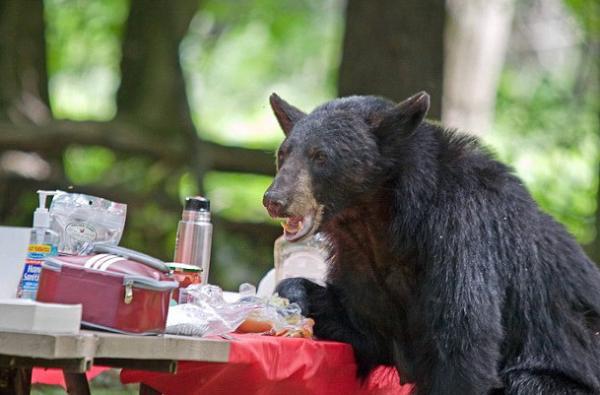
<point x="274" y="203"/>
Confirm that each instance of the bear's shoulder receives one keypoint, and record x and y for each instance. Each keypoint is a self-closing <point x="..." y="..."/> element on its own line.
<point x="466" y="164"/>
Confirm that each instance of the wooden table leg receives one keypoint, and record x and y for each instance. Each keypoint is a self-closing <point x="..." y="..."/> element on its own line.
<point x="15" y="381"/>
<point x="147" y="390"/>
<point x="77" y="383"/>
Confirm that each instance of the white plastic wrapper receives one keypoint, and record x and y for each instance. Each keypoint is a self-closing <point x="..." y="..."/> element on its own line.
<point x="83" y="220"/>
<point x="206" y="313"/>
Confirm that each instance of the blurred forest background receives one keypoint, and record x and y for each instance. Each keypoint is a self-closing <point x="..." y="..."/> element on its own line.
<point x="148" y="101"/>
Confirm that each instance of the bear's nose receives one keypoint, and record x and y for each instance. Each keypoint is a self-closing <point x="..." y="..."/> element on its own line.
<point x="274" y="203"/>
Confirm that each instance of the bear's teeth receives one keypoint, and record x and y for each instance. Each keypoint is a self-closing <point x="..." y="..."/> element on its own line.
<point x="292" y="224"/>
<point x="295" y="228"/>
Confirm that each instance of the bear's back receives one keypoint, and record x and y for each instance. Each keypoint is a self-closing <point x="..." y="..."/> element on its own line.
<point x="549" y="287"/>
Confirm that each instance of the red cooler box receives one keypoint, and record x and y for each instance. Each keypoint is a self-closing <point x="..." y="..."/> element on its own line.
<point x="116" y="293"/>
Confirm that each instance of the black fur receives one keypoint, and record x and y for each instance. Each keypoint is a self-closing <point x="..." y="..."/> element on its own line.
<point x="442" y="264"/>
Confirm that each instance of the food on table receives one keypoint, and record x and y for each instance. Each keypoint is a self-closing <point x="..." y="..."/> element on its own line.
<point x="278" y="317"/>
<point x="255" y="325"/>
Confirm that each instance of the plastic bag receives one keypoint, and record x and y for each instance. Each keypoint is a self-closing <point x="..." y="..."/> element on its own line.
<point x="285" y="318"/>
<point x="206" y="313"/>
<point x="83" y="220"/>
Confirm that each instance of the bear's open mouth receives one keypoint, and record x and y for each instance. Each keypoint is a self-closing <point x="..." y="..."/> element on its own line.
<point x="296" y="227"/>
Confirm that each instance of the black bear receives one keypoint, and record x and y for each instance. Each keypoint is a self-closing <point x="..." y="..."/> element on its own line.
<point x="441" y="265"/>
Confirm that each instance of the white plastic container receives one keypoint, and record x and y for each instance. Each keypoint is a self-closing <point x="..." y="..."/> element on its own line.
<point x="305" y="258"/>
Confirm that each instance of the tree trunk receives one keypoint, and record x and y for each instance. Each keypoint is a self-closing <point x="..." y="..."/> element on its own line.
<point x="394" y="49"/>
<point x="152" y="90"/>
<point x="476" y="40"/>
<point x="23" y="76"/>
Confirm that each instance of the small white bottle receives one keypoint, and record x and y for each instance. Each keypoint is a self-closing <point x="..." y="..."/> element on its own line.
<point x="42" y="244"/>
<point x="306" y="258"/>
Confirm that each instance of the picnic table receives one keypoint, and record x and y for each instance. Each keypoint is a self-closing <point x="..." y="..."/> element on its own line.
<point x="75" y="355"/>
<point x="186" y="365"/>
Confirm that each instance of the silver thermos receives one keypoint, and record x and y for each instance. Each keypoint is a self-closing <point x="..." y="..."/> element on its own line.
<point x="194" y="235"/>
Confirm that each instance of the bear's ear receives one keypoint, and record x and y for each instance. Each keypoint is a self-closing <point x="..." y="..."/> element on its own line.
<point x="403" y="118"/>
<point x="286" y="114"/>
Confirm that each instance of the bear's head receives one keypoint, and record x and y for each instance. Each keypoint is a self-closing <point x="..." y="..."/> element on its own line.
<point x="335" y="156"/>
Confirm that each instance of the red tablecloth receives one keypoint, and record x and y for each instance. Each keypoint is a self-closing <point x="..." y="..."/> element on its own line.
<point x="273" y="365"/>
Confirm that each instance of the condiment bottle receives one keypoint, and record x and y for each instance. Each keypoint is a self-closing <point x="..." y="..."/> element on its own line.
<point x="185" y="275"/>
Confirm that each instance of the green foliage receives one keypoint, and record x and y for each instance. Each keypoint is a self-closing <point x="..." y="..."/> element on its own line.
<point x="148" y="222"/>
<point x="21" y="214"/>
<point x="83" y="49"/>
<point x="237" y="53"/>
<point x="85" y="165"/>
<point x="237" y="196"/>
<point x="188" y="186"/>
<point x="550" y="135"/>
<point x="237" y="260"/>
<point x="588" y="14"/>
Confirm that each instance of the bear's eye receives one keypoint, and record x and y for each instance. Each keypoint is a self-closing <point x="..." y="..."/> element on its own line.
<point x="319" y="157"/>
